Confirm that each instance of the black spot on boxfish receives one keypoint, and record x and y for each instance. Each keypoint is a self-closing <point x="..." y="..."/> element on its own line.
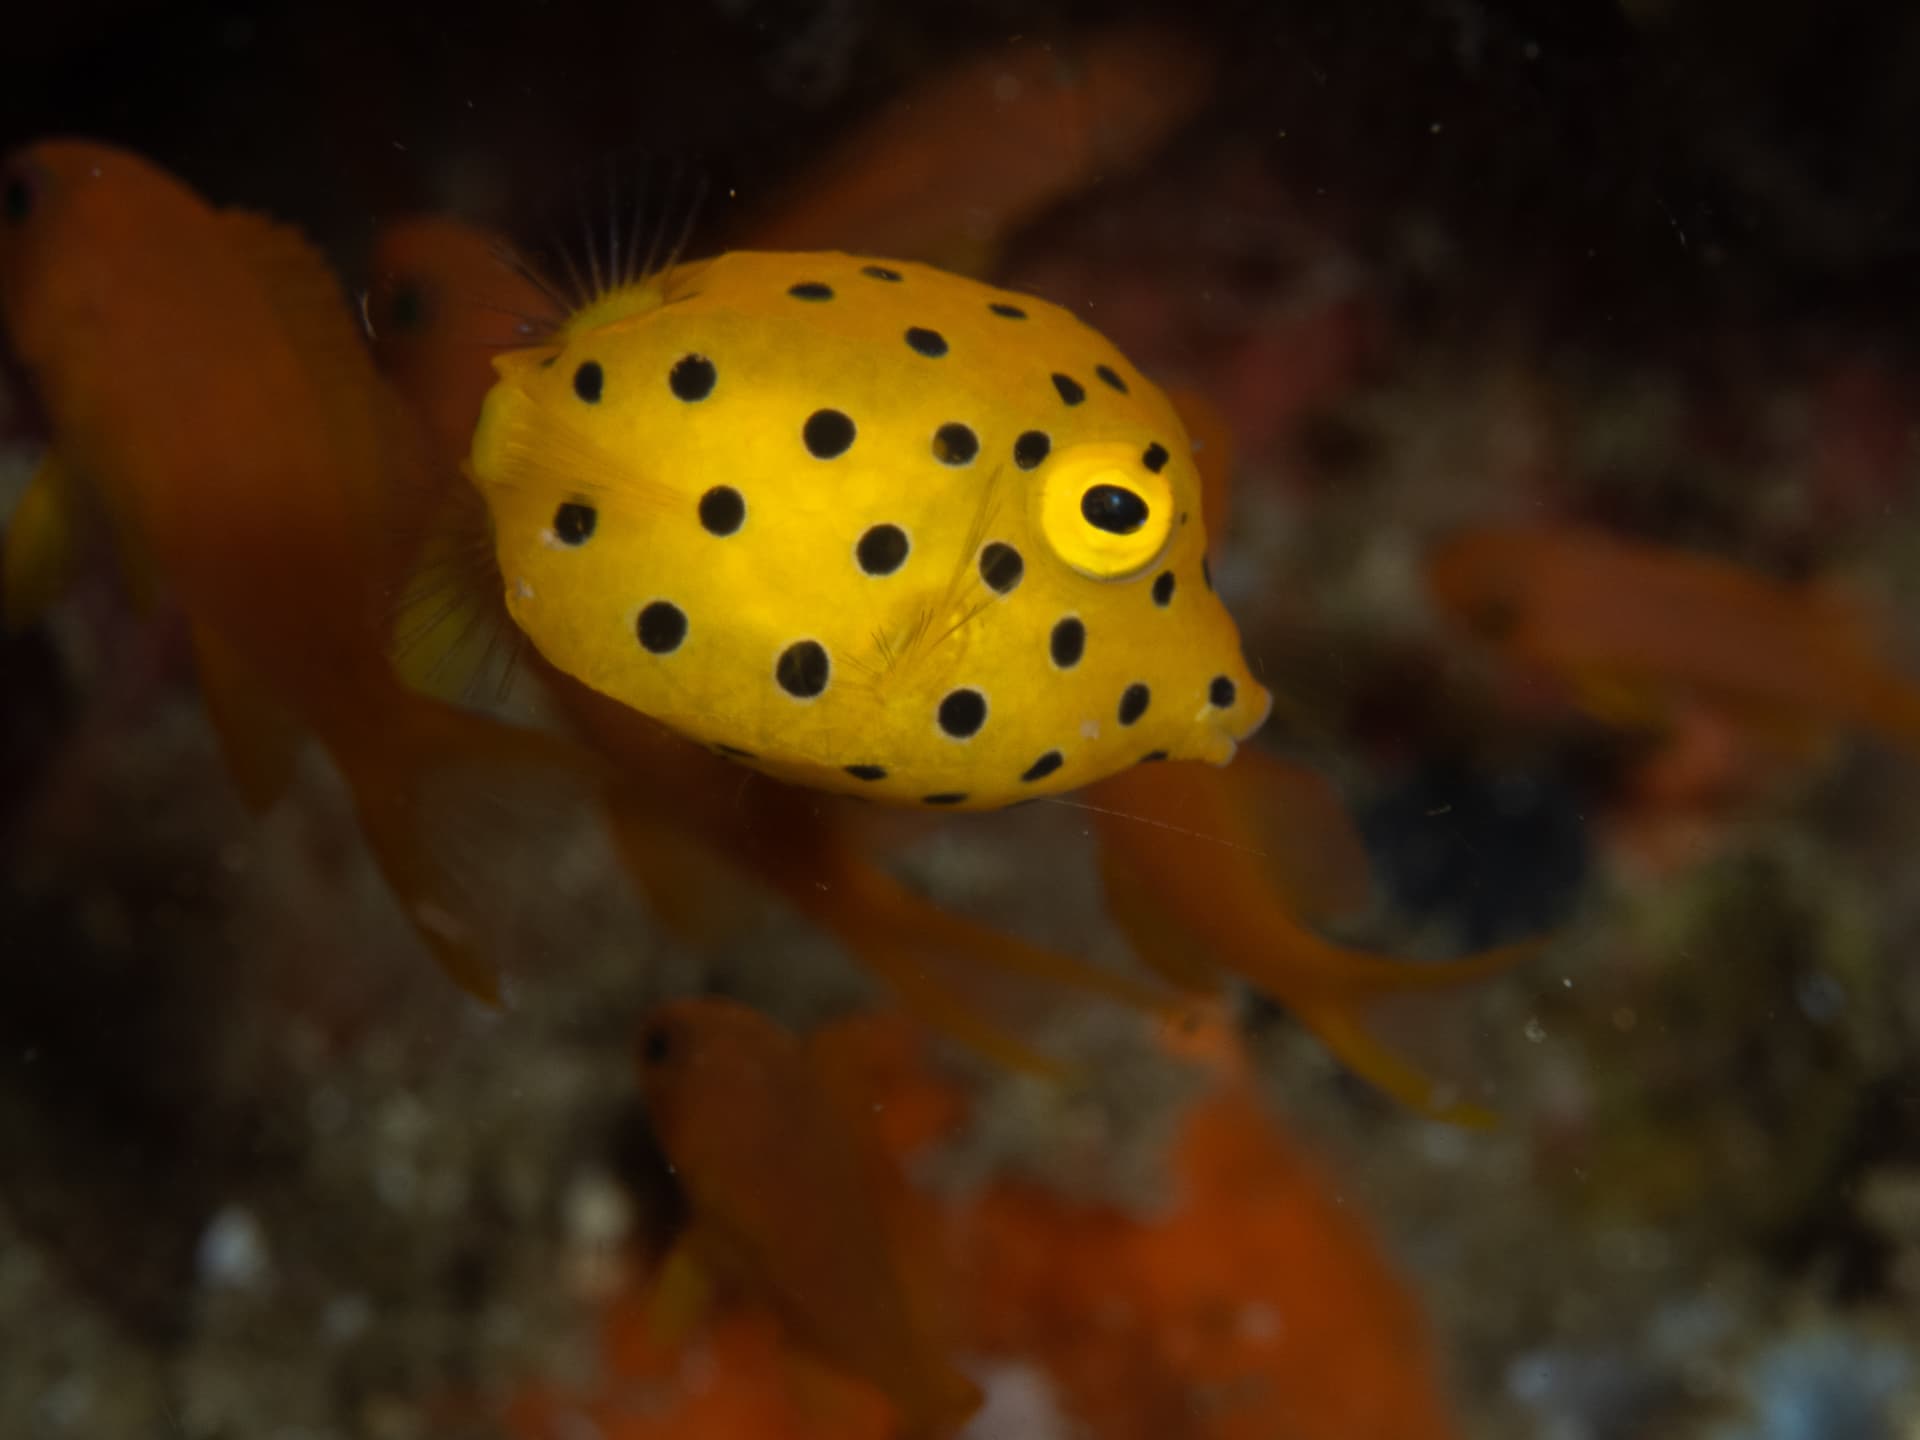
<point x="828" y="434"/>
<point x="955" y="444"/>
<point x="735" y="751"/>
<point x="1163" y="589"/>
<point x="1001" y="567"/>
<point x="882" y="550"/>
<point x="1009" y="312"/>
<point x="1111" y="377"/>
<point x="867" y="772"/>
<point x="1155" y="458"/>
<point x="1133" y="703"/>
<point x="1221" y="692"/>
<point x="573" y="523"/>
<point x="811" y="290"/>
<point x="1031" y="448"/>
<point x="1071" y="390"/>
<point x="692" y="377"/>
<point x="662" y="626"/>
<point x="722" y="510"/>
<point x="588" y="380"/>
<point x="1043" y="767"/>
<point x="879" y="272"/>
<point x="930" y="343"/>
<point x="802" y="669"/>
<point x="962" y="713"/>
<point x="1068" y="643"/>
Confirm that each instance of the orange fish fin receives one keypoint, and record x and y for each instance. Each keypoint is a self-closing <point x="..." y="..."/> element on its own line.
<point x="1619" y="701"/>
<point x="1213" y="455"/>
<point x="1891" y="705"/>
<point x="1848" y="622"/>
<point x="1798" y="736"/>
<point x="829" y="1402"/>
<point x="258" y="736"/>
<point x="1341" y="1032"/>
<point x="331" y="341"/>
<point x="1313" y="851"/>
<point x="447" y="800"/>
<point x="681" y="1296"/>
<point x="906" y="939"/>
<point x="1155" y="935"/>
<point x="693" y="892"/>
<point x="935" y="1397"/>
<point x="304" y="291"/>
<point x="1290" y="960"/>
<point x="40" y="552"/>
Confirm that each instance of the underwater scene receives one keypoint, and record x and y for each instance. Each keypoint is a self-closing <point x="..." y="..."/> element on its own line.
<point x="814" y="720"/>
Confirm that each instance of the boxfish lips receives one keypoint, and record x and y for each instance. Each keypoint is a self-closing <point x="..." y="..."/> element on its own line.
<point x="1234" y="710"/>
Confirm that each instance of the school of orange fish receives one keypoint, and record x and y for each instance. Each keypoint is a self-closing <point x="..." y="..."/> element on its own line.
<point x="255" y="480"/>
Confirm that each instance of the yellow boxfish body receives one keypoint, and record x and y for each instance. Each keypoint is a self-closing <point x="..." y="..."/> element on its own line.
<point x="867" y="526"/>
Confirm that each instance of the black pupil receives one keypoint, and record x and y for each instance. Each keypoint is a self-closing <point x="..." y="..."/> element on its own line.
<point x="1110" y="508"/>
<point x="18" y="202"/>
<point x="409" y="307"/>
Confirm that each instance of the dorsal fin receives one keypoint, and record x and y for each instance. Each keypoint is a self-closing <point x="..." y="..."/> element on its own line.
<point x="383" y="450"/>
<point x="305" y="294"/>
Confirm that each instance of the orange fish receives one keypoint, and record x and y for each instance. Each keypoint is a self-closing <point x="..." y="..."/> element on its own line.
<point x="1636" y="629"/>
<point x="207" y="386"/>
<point x="949" y="171"/>
<point x="1258" y="1306"/>
<point x="1218" y="871"/>
<point x="793" y="1200"/>
<point x="444" y="301"/>
<point x="1210" y="873"/>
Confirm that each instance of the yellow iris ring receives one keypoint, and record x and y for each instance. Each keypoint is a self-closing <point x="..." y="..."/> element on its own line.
<point x="1094" y="552"/>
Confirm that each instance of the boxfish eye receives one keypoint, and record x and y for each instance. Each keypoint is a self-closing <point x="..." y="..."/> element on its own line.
<point x="1111" y="508"/>
<point x="1105" y="509"/>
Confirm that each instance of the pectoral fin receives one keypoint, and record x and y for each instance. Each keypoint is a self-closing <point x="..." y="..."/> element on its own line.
<point x="683" y="1293"/>
<point x="259" y="738"/>
<point x="1619" y="701"/>
<point x="40" y="553"/>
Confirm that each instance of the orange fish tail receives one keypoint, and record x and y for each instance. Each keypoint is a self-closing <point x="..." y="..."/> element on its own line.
<point x="1330" y="987"/>
<point x="906" y="939"/>
<point x="1891" y="708"/>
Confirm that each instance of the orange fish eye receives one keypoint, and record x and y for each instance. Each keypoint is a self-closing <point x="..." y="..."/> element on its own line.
<point x="408" y="306"/>
<point x="656" y="1045"/>
<point x="17" y="195"/>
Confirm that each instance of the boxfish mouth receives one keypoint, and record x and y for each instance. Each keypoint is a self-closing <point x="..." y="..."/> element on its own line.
<point x="1221" y="736"/>
<point x="1257" y="711"/>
